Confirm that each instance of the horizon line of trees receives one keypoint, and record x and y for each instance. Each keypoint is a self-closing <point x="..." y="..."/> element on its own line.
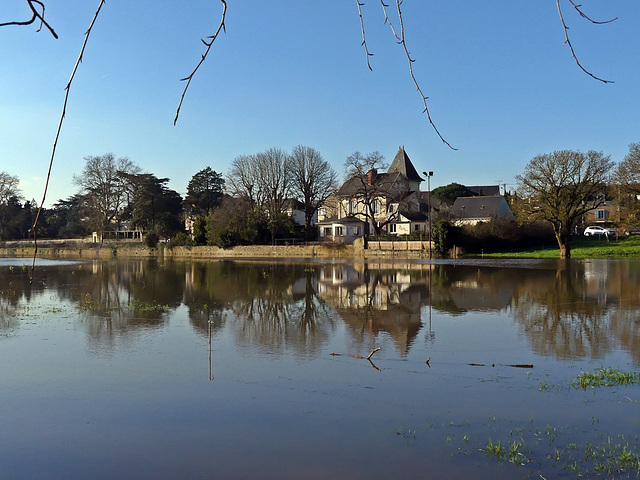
<point x="251" y="204"/>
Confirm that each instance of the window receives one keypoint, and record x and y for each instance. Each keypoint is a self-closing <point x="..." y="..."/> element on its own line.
<point x="392" y="228"/>
<point x="356" y="231"/>
<point x="338" y="231"/>
<point x="327" y="231"/>
<point x="353" y="206"/>
<point x="376" y="207"/>
<point x="322" y="212"/>
<point x="602" y="214"/>
<point x="417" y="229"/>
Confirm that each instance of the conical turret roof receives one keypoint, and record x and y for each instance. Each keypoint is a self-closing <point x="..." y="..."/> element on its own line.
<point x="402" y="164"/>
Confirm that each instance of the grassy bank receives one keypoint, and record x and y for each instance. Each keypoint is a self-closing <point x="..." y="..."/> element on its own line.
<point x="582" y="247"/>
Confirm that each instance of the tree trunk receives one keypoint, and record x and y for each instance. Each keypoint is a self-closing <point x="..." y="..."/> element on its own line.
<point x="563" y="236"/>
<point x="307" y="226"/>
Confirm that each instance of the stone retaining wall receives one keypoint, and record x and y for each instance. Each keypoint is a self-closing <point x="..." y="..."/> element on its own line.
<point x="86" y="250"/>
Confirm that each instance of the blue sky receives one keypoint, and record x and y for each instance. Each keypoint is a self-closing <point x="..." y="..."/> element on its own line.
<point x="502" y="86"/>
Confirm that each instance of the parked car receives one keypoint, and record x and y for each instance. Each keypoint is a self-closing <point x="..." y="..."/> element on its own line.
<point x="595" y="230"/>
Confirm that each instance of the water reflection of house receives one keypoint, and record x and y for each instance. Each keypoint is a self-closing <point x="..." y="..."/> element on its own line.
<point x="375" y="301"/>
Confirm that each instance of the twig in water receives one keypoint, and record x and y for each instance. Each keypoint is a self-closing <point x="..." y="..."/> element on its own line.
<point x="372" y="352"/>
<point x="368" y="357"/>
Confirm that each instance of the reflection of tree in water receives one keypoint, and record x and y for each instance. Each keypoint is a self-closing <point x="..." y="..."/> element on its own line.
<point x="19" y="297"/>
<point x="582" y="309"/>
<point x="270" y="305"/>
<point x="625" y="327"/>
<point x="122" y="298"/>
<point x="15" y="292"/>
<point x="462" y="288"/>
<point x="559" y="316"/>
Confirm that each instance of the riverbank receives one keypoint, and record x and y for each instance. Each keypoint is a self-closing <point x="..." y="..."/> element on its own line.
<point x="78" y="249"/>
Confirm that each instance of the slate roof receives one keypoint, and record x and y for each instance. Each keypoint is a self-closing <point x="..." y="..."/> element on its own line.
<point x="402" y="164"/>
<point x="476" y="207"/>
<point x="414" y="216"/>
<point x="400" y="169"/>
<point x="384" y="183"/>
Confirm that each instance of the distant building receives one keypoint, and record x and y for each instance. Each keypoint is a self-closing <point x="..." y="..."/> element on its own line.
<point x="605" y="214"/>
<point x="295" y="210"/>
<point x="474" y="210"/>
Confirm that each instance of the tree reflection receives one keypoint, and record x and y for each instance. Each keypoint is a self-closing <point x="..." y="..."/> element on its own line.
<point x="563" y="315"/>
<point x="565" y="310"/>
<point x="274" y="306"/>
<point x="15" y="293"/>
<point x="120" y="298"/>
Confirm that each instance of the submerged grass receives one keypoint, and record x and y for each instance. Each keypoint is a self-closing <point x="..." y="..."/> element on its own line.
<point x="601" y="377"/>
<point x="544" y="451"/>
<point x="606" y="377"/>
<point x="513" y="452"/>
<point x="584" y="450"/>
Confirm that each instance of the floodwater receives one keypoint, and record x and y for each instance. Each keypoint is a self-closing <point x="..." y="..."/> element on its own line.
<point x="250" y="370"/>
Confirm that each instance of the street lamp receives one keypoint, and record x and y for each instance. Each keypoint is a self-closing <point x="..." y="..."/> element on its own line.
<point x="429" y="175"/>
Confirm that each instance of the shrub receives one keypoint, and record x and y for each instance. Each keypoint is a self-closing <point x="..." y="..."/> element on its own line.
<point x="151" y="240"/>
<point x="181" y="240"/>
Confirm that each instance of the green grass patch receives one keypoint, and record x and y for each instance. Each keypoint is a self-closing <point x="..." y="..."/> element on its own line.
<point x="581" y="247"/>
<point x="606" y="377"/>
<point x="513" y="452"/>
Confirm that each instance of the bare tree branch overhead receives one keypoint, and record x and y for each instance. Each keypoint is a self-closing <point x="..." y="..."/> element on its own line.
<point x="567" y="41"/>
<point x="55" y="141"/>
<point x="208" y="43"/>
<point x="34" y="5"/>
<point x="364" y="39"/>
<point x="401" y="41"/>
<point x="37" y="8"/>
<point x="583" y="15"/>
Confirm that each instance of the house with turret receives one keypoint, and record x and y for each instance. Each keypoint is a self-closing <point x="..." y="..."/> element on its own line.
<point x="377" y="202"/>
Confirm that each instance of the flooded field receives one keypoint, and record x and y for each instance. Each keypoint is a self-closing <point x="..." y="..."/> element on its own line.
<point x="289" y="370"/>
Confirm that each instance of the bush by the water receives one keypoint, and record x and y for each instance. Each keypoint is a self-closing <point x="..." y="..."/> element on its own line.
<point x="500" y="236"/>
<point x="151" y="240"/>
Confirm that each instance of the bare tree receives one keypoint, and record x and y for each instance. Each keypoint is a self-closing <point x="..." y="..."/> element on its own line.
<point x="9" y="187"/>
<point x="274" y="186"/>
<point x="313" y="181"/>
<point x="263" y="178"/>
<point x="242" y="179"/>
<point x="627" y="180"/>
<point x="104" y="181"/>
<point x="561" y="187"/>
<point x="367" y="192"/>
<point x="627" y="174"/>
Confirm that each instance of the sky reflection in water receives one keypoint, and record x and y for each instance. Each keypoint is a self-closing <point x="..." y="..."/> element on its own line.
<point x="234" y="369"/>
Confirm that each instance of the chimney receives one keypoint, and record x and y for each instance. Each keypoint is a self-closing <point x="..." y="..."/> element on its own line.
<point x="371" y="176"/>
